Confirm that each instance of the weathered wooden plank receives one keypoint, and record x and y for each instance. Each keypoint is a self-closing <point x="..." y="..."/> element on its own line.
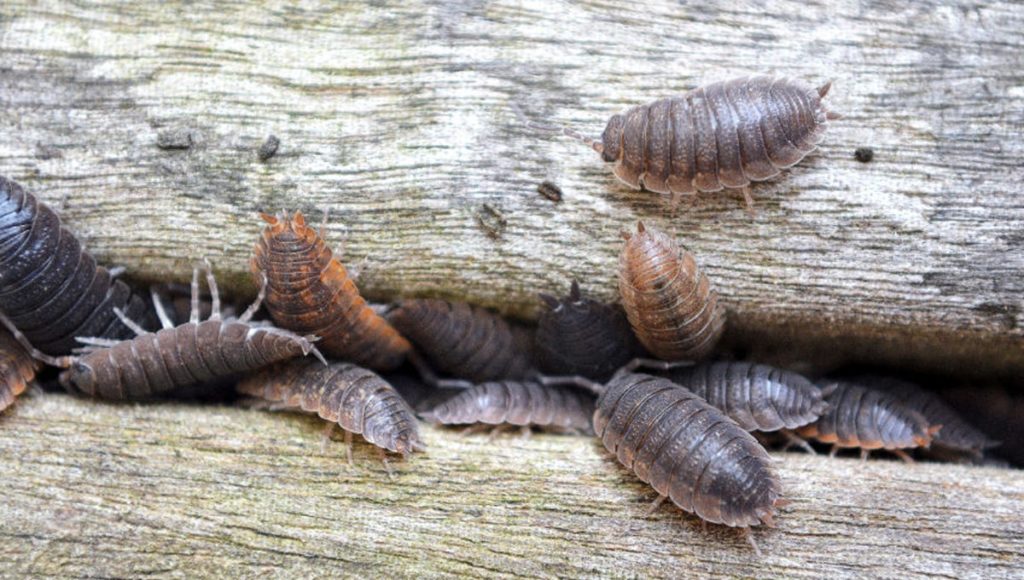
<point x="106" y="490"/>
<point x="396" y="116"/>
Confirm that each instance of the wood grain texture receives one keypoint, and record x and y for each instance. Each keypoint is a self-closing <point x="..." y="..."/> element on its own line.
<point x="171" y="490"/>
<point x="396" y="116"/>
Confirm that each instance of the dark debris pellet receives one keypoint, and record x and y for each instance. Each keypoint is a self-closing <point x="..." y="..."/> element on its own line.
<point x="268" y="148"/>
<point x="175" y="139"/>
<point x="864" y="154"/>
<point x="550" y="191"/>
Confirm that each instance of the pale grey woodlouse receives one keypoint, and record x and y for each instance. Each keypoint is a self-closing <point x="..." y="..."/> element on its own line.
<point x="517" y="403"/>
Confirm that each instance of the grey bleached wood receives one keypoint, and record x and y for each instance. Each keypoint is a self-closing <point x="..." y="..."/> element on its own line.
<point x="93" y="489"/>
<point x="396" y="116"/>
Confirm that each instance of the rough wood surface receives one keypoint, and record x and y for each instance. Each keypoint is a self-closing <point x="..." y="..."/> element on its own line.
<point x="396" y="116"/>
<point x="94" y="489"/>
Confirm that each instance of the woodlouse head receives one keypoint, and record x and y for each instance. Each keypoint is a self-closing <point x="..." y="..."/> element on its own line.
<point x="79" y="377"/>
<point x="611" y="139"/>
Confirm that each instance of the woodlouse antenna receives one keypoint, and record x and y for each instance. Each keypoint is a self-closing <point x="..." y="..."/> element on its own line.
<point x="255" y="306"/>
<point x="573" y="381"/>
<point x="158" y="306"/>
<point x="553" y="129"/>
<point x="211" y="282"/>
<point x="131" y="324"/>
<point x="193" y="314"/>
<point x="54" y="361"/>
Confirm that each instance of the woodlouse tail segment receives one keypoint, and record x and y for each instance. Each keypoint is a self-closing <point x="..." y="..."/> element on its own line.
<point x="824" y="89"/>
<point x="269" y="218"/>
<point x="574" y="291"/>
<point x="550" y="301"/>
<point x="929" y="434"/>
<point x="828" y="389"/>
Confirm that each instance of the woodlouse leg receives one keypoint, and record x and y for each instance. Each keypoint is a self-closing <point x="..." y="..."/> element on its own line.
<point x="325" y="438"/>
<point x="428" y="376"/>
<point x="158" y="305"/>
<point x="387" y="464"/>
<point x="497" y="430"/>
<point x="749" y="200"/>
<point x="750" y="539"/>
<point x="832" y="452"/>
<point x="211" y="283"/>
<point x="348" y="447"/>
<point x="473" y="429"/>
<point x="864" y="454"/>
<point x="525" y="432"/>
<point x="116" y="271"/>
<point x="323" y="224"/>
<point x="251" y="310"/>
<point x="903" y="455"/>
<point x="193" y="315"/>
<point x="131" y="324"/>
<point x="656" y="504"/>
<point x="794" y="439"/>
<point x="54" y="361"/>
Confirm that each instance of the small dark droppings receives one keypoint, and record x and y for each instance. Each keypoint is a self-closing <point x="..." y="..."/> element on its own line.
<point x="491" y="220"/>
<point x="269" y="147"/>
<point x="174" y="139"/>
<point x="864" y="154"/>
<point x="550" y="191"/>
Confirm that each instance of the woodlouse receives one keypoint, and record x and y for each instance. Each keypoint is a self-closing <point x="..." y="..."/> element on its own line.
<point x="355" y="398"/>
<point x="177" y="356"/>
<point x="687" y="450"/>
<point x="869" y="419"/>
<point x="668" y="299"/>
<point x="581" y="336"/>
<point x="51" y="290"/>
<point x="517" y="403"/>
<point x="956" y="434"/>
<point x="464" y="341"/>
<point x="758" y="397"/>
<point x="17" y="369"/>
<point x="310" y="292"/>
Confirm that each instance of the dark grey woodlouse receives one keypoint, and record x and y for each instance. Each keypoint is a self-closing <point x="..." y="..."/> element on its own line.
<point x="177" y="356"/>
<point x="17" y="369"/>
<point x="668" y="299"/>
<point x="869" y="419"/>
<point x="517" y="403"/>
<point x="51" y="290"/>
<point x="352" y="397"/>
<point x="580" y="336"/>
<point x="464" y="341"/>
<point x="687" y="450"/>
<point x="758" y="397"/>
<point x="956" y="433"/>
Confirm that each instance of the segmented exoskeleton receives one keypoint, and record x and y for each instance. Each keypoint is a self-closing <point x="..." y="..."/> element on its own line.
<point x="722" y="135"/>
<point x="869" y="419"/>
<point x="310" y="292"/>
<point x="517" y="403"/>
<point x="17" y="369"/>
<point x="668" y="299"/>
<point x="464" y="341"/>
<point x="347" y="395"/>
<point x="177" y="356"/>
<point x="580" y="336"/>
<point x="687" y="450"/>
<point x="51" y="290"/>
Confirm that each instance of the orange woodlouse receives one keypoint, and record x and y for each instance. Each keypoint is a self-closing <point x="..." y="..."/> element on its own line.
<point x="17" y="369"/>
<point x="580" y="336"/>
<point x="51" y="290"/>
<point x="467" y="342"/>
<point x="310" y="292"/>
<point x="725" y="134"/>
<point x="344" y="394"/>
<point x="758" y="397"/>
<point x="668" y="299"/>
<point x="177" y="356"/>
<point x="517" y="403"/>
<point x="869" y="419"/>
<point x="687" y="450"/>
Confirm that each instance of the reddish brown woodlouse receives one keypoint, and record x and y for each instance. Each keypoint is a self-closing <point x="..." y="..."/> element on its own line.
<point x="51" y="290"/>
<point x="956" y="434"/>
<point x="177" y="356"/>
<point x="687" y="450"/>
<point x="869" y="419"/>
<point x="464" y="341"/>
<point x="310" y="292"/>
<point x="758" y="397"/>
<point x="344" y="394"/>
<point x="517" y="403"/>
<point x="17" y="369"/>
<point x="723" y="135"/>
<point x="668" y="299"/>
<point x="584" y="337"/>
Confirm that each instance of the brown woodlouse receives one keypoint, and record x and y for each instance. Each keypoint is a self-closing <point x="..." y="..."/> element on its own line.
<point x="725" y="134"/>
<point x="177" y="356"/>
<point x="17" y="369"/>
<point x="667" y="297"/>
<point x="517" y="403"/>
<point x="464" y="341"/>
<point x="758" y="397"/>
<point x="344" y="394"/>
<point x="310" y="292"/>
<point x="869" y="419"/>
<point x="687" y="450"/>
<point x="51" y="290"/>
<point x="580" y="336"/>
<point x="956" y="434"/>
